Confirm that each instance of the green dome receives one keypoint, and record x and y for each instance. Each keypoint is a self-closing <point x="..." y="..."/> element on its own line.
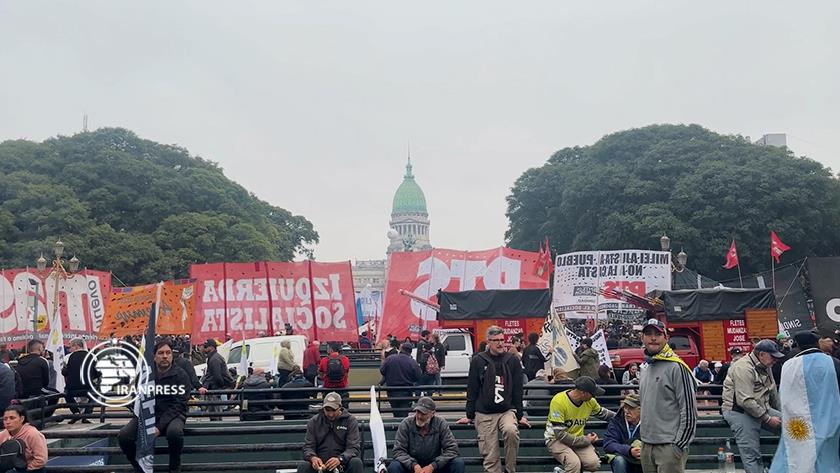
<point x="409" y="197"/>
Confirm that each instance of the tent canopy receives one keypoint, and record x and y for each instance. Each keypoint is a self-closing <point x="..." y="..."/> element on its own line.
<point x="494" y="304"/>
<point x="718" y="303"/>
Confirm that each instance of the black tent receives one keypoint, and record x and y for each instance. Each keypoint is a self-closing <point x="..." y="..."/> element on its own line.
<point x="494" y="304"/>
<point x="718" y="303"/>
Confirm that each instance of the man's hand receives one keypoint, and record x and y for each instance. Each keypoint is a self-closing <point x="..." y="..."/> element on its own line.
<point x="524" y="421"/>
<point x="157" y="432"/>
<point x="332" y="463"/>
<point x="592" y="437"/>
<point x="636" y="452"/>
<point x="774" y="422"/>
<point x="428" y="468"/>
<point x="202" y="390"/>
<point x="463" y="420"/>
<point x="418" y="469"/>
<point x="317" y="463"/>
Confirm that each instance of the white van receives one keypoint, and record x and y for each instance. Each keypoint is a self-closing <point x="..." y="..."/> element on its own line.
<point x="261" y="351"/>
<point x="459" y="351"/>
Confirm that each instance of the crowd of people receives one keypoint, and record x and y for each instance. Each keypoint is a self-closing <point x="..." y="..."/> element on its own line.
<point x="650" y="432"/>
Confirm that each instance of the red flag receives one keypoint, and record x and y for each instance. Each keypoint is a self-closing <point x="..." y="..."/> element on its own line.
<point x="731" y="256"/>
<point x="544" y="264"/>
<point x="777" y="247"/>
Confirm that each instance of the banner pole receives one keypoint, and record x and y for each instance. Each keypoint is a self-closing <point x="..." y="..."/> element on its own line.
<point x="739" y="275"/>
<point x="312" y="303"/>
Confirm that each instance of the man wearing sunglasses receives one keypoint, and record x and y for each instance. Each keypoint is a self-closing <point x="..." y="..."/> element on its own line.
<point x="332" y="440"/>
<point x="494" y="402"/>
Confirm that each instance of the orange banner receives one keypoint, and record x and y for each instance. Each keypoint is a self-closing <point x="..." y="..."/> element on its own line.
<point x="127" y="312"/>
<point x="128" y="309"/>
<point x="176" y="308"/>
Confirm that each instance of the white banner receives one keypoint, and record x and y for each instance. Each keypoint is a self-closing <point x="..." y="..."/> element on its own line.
<point x="578" y="277"/>
<point x="599" y="343"/>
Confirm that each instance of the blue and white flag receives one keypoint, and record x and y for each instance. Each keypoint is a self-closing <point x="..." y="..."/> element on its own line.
<point x="810" y="416"/>
<point x="144" y="405"/>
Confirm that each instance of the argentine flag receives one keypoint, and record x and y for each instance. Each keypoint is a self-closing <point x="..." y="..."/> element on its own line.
<point x="810" y="416"/>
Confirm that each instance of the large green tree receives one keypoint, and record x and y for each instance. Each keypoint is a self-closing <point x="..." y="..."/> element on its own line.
<point x="140" y="209"/>
<point x="700" y="187"/>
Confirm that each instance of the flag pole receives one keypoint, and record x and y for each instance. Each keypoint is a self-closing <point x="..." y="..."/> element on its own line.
<point x="739" y="275"/>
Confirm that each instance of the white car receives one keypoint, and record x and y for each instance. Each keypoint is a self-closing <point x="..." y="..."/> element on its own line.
<point x="261" y="351"/>
<point x="459" y="351"/>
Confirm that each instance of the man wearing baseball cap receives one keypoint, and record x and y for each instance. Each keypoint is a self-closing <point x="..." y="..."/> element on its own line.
<point x="564" y="428"/>
<point x="424" y="443"/>
<point x="622" y="437"/>
<point x="216" y="376"/>
<point x="332" y="440"/>
<point x="669" y="409"/>
<point x="751" y="401"/>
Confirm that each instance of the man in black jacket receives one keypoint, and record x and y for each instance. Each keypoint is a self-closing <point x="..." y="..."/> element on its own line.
<point x="33" y="369"/>
<point x="425" y="442"/>
<point x="215" y="376"/>
<point x="332" y="440"/>
<point x="172" y="391"/>
<point x="76" y="376"/>
<point x="183" y="361"/>
<point x="494" y="402"/>
<point x="532" y="358"/>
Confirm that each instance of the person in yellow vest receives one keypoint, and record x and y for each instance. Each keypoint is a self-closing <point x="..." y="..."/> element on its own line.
<point x="564" y="430"/>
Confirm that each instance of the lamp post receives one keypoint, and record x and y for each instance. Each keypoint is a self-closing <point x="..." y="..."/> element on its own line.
<point x="58" y="272"/>
<point x="682" y="257"/>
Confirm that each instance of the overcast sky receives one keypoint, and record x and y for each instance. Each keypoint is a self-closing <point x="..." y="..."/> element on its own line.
<point x="311" y="105"/>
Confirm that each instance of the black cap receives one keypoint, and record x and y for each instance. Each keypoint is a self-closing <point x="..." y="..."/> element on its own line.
<point x="769" y="346"/>
<point x="210" y="343"/>
<point x="655" y="323"/>
<point x="806" y="339"/>
<point x="587" y="385"/>
<point x="735" y="351"/>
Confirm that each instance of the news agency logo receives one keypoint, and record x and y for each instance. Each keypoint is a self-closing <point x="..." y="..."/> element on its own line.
<point x="122" y="372"/>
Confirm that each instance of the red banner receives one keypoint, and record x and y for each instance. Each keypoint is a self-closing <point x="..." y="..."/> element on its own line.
<point x="424" y="273"/>
<point x="258" y="299"/>
<point x="735" y="335"/>
<point x="28" y="295"/>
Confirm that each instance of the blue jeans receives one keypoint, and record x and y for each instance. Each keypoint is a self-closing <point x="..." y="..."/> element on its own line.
<point x="621" y="465"/>
<point x="456" y="465"/>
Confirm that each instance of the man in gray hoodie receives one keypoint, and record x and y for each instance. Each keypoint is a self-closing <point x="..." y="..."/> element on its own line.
<point x="669" y="409"/>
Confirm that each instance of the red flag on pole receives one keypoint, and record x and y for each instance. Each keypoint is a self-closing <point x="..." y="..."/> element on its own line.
<point x="777" y="247"/>
<point x="731" y="256"/>
<point x="544" y="265"/>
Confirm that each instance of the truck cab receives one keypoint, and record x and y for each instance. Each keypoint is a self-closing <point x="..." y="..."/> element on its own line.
<point x="684" y="342"/>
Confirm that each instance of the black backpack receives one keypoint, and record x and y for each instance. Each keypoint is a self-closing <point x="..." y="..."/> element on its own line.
<point x="335" y="370"/>
<point x="12" y="454"/>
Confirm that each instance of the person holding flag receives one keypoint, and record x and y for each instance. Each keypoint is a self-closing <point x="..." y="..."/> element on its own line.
<point x="171" y="393"/>
<point x="810" y="398"/>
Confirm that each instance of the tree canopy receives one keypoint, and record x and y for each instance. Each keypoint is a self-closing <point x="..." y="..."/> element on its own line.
<point x="142" y="210"/>
<point x="701" y="188"/>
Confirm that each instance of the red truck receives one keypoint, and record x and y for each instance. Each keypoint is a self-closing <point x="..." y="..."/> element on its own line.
<point x="709" y="339"/>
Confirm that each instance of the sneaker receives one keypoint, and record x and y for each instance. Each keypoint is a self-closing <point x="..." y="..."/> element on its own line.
<point x="86" y="421"/>
<point x="73" y="421"/>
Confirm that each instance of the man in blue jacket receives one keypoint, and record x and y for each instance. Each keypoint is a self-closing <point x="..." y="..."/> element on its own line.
<point x="400" y="370"/>
<point x="622" y="437"/>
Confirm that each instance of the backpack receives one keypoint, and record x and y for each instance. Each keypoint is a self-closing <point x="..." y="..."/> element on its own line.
<point x="335" y="370"/>
<point x="432" y="365"/>
<point x="12" y="455"/>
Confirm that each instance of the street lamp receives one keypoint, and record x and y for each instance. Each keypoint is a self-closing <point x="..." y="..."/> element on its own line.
<point x="682" y="257"/>
<point x="59" y="272"/>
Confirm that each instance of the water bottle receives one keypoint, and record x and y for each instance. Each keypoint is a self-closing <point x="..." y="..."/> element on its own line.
<point x="730" y="462"/>
<point x="721" y="460"/>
